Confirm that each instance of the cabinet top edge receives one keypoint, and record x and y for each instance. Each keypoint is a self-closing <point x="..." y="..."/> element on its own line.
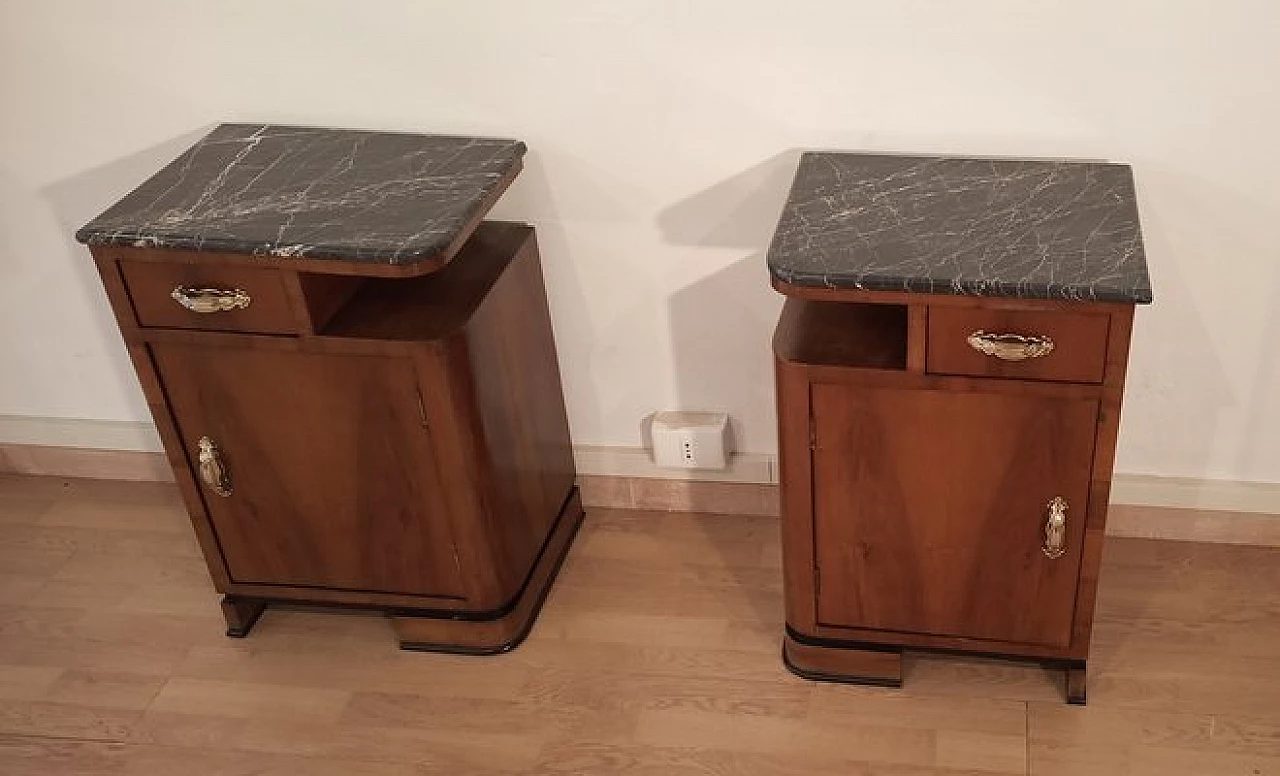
<point x="1021" y="228"/>
<point x="311" y="193"/>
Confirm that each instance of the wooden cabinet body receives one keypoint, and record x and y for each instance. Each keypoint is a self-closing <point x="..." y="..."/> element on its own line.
<point x="937" y="497"/>
<point x="397" y="443"/>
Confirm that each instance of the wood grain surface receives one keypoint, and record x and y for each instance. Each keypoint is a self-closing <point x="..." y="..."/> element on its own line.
<point x="333" y="476"/>
<point x="918" y="529"/>
<point x="657" y="653"/>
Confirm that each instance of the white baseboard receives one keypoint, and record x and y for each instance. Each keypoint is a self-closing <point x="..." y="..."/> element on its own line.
<point x="102" y="436"/>
<point x="1151" y="490"/>
<point x="601" y="461"/>
<point x="1131" y="489"/>
<point x="133" y="465"/>
<point x="132" y="435"/>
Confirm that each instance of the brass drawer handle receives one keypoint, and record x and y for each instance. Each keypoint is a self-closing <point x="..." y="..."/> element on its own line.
<point x="1055" y="529"/>
<point x="210" y="300"/>
<point x="1010" y="347"/>
<point x="212" y="470"/>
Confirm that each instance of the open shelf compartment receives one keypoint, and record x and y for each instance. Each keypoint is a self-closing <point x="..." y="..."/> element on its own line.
<point x="848" y="334"/>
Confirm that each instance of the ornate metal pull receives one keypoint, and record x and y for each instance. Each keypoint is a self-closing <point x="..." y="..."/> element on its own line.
<point x="1055" y="529"/>
<point x="212" y="470"/>
<point x="210" y="300"/>
<point x="1010" y="347"/>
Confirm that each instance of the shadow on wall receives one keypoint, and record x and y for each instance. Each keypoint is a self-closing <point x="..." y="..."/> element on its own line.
<point x="739" y="212"/>
<point x="721" y="324"/>
<point x="1177" y="389"/>
<point x="530" y="199"/>
<point x="1259" y="444"/>
<point x="1166" y="389"/>
<point x="76" y="200"/>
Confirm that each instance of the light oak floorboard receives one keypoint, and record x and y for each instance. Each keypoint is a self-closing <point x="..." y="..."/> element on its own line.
<point x="656" y="653"/>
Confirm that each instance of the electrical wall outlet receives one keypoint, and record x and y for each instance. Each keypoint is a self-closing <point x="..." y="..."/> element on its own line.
<point x="691" y="440"/>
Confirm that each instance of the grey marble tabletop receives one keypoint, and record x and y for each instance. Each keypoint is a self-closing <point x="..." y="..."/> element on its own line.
<point x="949" y="225"/>
<point x="305" y="192"/>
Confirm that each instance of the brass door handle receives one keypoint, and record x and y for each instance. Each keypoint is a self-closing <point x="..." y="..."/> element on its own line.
<point x="1055" y="529"/>
<point x="210" y="300"/>
<point x="212" y="470"/>
<point x="1009" y="347"/>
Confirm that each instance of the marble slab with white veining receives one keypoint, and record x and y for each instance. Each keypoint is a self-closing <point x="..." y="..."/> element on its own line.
<point x="947" y="225"/>
<point x="306" y="192"/>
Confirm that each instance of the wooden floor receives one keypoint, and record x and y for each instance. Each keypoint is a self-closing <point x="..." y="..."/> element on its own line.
<point x="657" y="653"/>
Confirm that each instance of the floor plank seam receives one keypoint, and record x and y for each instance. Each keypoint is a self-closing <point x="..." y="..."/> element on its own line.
<point x="1026" y="737"/>
<point x="64" y="739"/>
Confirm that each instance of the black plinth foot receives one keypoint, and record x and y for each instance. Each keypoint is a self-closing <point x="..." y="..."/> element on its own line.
<point x="1077" y="678"/>
<point x="241" y="614"/>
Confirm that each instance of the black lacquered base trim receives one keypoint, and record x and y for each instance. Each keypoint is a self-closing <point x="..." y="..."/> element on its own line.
<point x="527" y="627"/>
<point x="821" y="676"/>
<point x="241" y="614"/>
<point x="1074" y="671"/>
<point x="568" y="521"/>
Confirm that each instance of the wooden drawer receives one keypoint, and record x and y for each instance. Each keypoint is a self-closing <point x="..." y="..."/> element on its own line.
<point x="955" y="343"/>
<point x="262" y="307"/>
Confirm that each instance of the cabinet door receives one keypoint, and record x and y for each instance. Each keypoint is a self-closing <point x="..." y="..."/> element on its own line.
<point x="332" y="479"/>
<point x="930" y="510"/>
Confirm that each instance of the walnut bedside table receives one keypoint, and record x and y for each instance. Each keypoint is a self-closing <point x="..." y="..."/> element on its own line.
<point x="354" y="377"/>
<point x="950" y="364"/>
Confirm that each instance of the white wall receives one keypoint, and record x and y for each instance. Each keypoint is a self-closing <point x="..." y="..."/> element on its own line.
<point x="662" y="138"/>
